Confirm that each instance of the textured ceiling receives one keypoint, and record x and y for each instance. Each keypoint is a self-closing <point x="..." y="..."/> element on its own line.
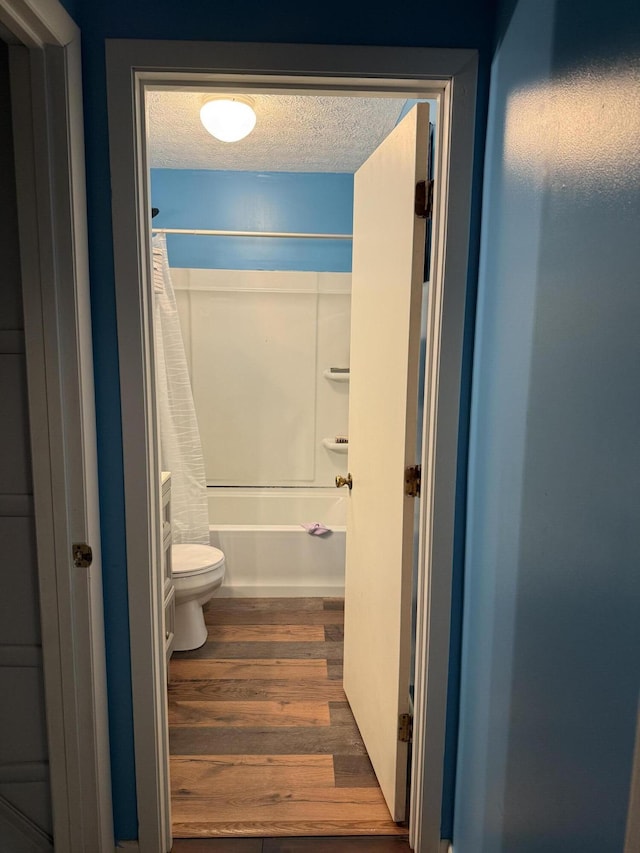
<point x="293" y="133"/>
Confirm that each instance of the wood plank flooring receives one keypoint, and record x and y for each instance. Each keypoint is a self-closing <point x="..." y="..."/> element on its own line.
<point x="360" y="844"/>
<point x="264" y="747"/>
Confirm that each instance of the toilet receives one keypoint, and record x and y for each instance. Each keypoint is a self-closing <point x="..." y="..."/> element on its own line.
<point x="197" y="572"/>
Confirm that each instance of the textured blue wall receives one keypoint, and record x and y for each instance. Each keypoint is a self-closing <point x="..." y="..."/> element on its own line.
<point x="551" y="635"/>
<point x="460" y="23"/>
<point x="255" y="201"/>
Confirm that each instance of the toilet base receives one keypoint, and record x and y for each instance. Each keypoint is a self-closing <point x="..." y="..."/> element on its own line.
<point x="190" y="630"/>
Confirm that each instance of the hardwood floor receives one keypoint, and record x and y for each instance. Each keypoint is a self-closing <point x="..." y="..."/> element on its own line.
<point x="360" y="844"/>
<point x="263" y="742"/>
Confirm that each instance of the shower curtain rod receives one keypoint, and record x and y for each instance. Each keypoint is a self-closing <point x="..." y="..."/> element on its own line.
<point x="213" y="233"/>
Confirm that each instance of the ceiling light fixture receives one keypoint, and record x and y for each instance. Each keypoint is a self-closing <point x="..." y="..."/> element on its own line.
<point x="228" y="117"/>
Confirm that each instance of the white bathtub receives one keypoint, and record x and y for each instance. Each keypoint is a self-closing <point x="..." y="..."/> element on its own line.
<point x="267" y="552"/>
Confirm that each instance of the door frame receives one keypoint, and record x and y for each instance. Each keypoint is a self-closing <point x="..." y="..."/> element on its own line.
<point x="46" y="90"/>
<point x="449" y="76"/>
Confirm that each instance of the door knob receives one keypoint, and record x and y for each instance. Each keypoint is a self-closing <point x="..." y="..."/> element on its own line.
<point x="344" y="481"/>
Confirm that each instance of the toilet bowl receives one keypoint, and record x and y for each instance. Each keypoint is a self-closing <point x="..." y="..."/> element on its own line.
<point x="197" y="572"/>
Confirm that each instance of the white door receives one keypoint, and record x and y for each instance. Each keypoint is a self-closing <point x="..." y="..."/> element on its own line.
<point x="388" y="264"/>
<point x="46" y="116"/>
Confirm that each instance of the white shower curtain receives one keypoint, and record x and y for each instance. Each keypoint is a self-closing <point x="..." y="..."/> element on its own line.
<point x="180" y="446"/>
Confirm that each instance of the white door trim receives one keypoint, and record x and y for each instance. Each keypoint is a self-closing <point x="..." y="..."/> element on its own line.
<point x="448" y="75"/>
<point x="36" y="23"/>
<point x="46" y="86"/>
<point x="445" y="321"/>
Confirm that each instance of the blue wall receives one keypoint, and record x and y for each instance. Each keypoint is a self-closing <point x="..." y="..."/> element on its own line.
<point x="422" y="23"/>
<point x="551" y="635"/>
<point x="546" y="677"/>
<point x="255" y="201"/>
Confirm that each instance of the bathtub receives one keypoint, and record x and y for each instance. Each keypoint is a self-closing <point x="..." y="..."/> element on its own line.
<point x="267" y="552"/>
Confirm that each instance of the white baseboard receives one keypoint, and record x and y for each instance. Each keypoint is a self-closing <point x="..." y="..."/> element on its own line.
<point x="446" y="846"/>
<point x="281" y="592"/>
<point x="130" y="846"/>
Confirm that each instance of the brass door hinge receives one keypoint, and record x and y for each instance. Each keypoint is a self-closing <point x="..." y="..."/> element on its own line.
<point x="82" y="555"/>
<point x="412" y="481"/>
<point x="424" y="199"/>
<point x="405" y="728"/>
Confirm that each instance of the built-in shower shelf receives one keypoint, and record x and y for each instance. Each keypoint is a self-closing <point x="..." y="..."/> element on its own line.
<point x="335" y="446"/>
<point x="336" y="377"/>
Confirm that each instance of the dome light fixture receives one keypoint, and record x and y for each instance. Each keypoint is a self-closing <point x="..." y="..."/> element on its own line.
<point x="228" y="117"/>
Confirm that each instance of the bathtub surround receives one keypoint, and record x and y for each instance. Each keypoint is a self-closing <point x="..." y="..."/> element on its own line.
<point x="258" y="344"/>
<point x="259" y="347"/>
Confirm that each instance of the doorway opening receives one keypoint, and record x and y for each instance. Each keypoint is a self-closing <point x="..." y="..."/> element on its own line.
<point x="262" y="738"/>
<point x="447" y="76"/>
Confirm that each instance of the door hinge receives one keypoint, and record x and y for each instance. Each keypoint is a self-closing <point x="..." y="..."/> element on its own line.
<point x="424" y="199"/>
<point x="82" y="555"/>
<point x="405" y="728"/>
<point x="412" y="480"/>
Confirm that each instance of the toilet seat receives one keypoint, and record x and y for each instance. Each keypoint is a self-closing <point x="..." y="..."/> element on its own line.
<point x="190" y="560"/>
